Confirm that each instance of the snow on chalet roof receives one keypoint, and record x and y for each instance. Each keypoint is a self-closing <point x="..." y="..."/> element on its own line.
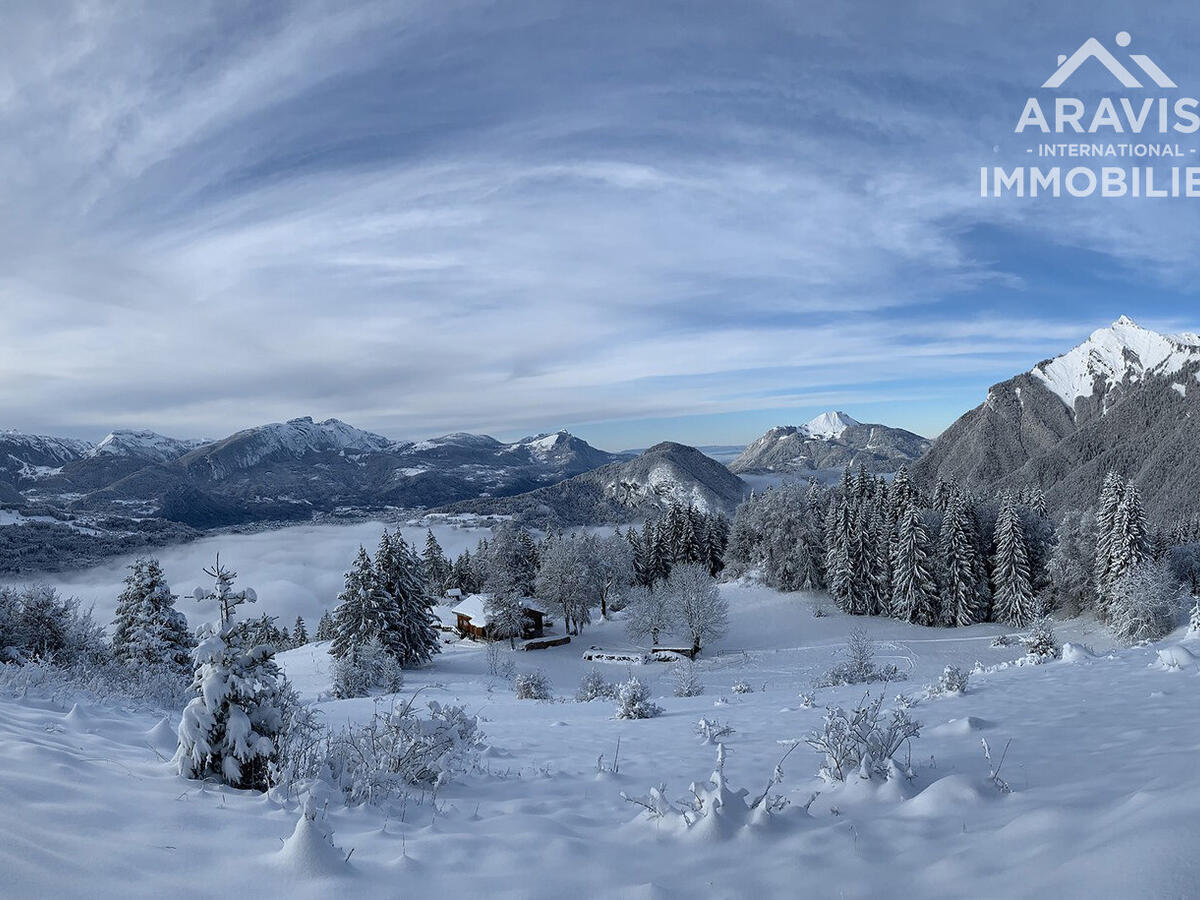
<point x="475" y="608"/>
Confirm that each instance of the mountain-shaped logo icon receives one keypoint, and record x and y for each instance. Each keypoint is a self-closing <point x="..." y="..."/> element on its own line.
<point x="1093" y="49"/>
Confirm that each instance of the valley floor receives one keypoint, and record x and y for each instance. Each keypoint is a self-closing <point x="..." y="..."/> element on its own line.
<point x="1102" y="765"/>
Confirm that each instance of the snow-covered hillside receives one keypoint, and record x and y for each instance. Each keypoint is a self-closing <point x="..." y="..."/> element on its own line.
<point x="1101" y="766"/>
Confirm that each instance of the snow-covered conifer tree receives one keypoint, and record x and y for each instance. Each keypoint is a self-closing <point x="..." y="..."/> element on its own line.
<point x="326" y="630"/>
<point x="1012" y="590"/>
<point x="434" y="565"/>
<point x="299" y="633"/>
<point x="148" y="630"/>
<point x="398" y="572"/>
<point x="1111" y="495"/>
<point x="364" y="611"/>
<point x="838" y="573"/>
<point x="914" y="590"/>
<point x="231" y="729"/>
<point x="963" y="581"/>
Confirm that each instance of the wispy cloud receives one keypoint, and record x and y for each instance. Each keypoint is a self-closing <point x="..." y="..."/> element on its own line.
<point x="423" y="216"/>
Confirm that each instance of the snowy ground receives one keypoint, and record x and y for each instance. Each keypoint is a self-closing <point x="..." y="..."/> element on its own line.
<point x="1102" y="766"/>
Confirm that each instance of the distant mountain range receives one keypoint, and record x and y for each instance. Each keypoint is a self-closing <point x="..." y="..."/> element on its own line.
<point x="280" y="471"/>
<point x="833" y="440"/>
<point x="1126" y="399"/>
<point x="625" y="491"/>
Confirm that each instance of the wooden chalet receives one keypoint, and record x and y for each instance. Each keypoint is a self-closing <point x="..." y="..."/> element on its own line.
<point x="472" y="619"/>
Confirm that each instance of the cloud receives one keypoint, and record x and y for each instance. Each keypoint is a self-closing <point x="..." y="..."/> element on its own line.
<point x="422" y="217"/>
<point x="295" y="571"/>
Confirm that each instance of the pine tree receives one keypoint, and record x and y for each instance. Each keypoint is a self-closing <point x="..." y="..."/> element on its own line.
<point x="914" y="591"/>
<point x="299" y="633"/>
<point x="326" y="630"/>
<point x="434" y="565"/>
<point x="148" y="630"/>
<point x="231" y="729"/>
<point x="962" y="579"/>
<point x="1012" y="591"/>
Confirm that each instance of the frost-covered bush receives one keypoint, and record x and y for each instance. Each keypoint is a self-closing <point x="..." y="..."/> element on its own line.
<point x="106" y="681"/>
<point x="712" y="731"/>
<point x="633" y="701"/>
<point x="1040" y="643"/>
<point x="1145" y="603"/>
<point x="532" y="686"/>
<point x="687" y="684"/>
<point x="714" y="808"/>
<point x="366" y="668"/>
<point x="858" y="664"/>
<point x="952" y="681"/>
<point x="37" y="623"/>
<point x="400" y="749"/>
<point x="742" y="687"/>
<point x="592" y="686"/>
<point x="808" y="699"/>
<point x="864" y="739"/>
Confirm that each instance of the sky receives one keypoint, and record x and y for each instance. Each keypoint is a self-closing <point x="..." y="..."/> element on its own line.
<point x="635" y="220"/>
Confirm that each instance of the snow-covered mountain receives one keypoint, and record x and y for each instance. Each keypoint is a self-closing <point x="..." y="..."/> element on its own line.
<point x="282" y="470"/>
<point x="1127" y="398"/>
<point x="832" y="440"/>
<point x="1122" y="354"/>
<point x="144" y="445"/>
<point x="623" y="491"/>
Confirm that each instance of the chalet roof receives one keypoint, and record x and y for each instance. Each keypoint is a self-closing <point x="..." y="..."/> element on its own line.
<point x="475" y="608"/>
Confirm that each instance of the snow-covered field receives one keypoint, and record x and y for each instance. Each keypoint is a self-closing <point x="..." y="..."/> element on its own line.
<point x="1102" y="765"/>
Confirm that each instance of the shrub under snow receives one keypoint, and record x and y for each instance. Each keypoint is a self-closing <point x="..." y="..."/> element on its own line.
<point x="592" y="686"/>
<point x="1145" y="603"/>
<point x="1040" y="642"/>
<point x="686" y="682"/>
<point x="532" y="686"/>
<point x="365" y="668"/>
<point x="633" y="701"/>
<point x="400" y="749"/>
<point x="863" y="739"/>
<point x="952" y="681"/>
<point x="858" y="664"/>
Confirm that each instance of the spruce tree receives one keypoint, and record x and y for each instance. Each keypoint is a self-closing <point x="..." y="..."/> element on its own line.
<point x="231" y="730"/>
<point x="398" y="572"/>
<point x="1111" y="495"/>
<point x="326" y="630"/>
<point x="963" y="584"/>
<point x="838" y="574"/>
<point x="299" y="633"/>
<point x="434" y="565"/>
<point x="1012" y="590"/>
<point x="914" y="591"/>
<point x="364" y="611"/>
<point x="148" y="630"/>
